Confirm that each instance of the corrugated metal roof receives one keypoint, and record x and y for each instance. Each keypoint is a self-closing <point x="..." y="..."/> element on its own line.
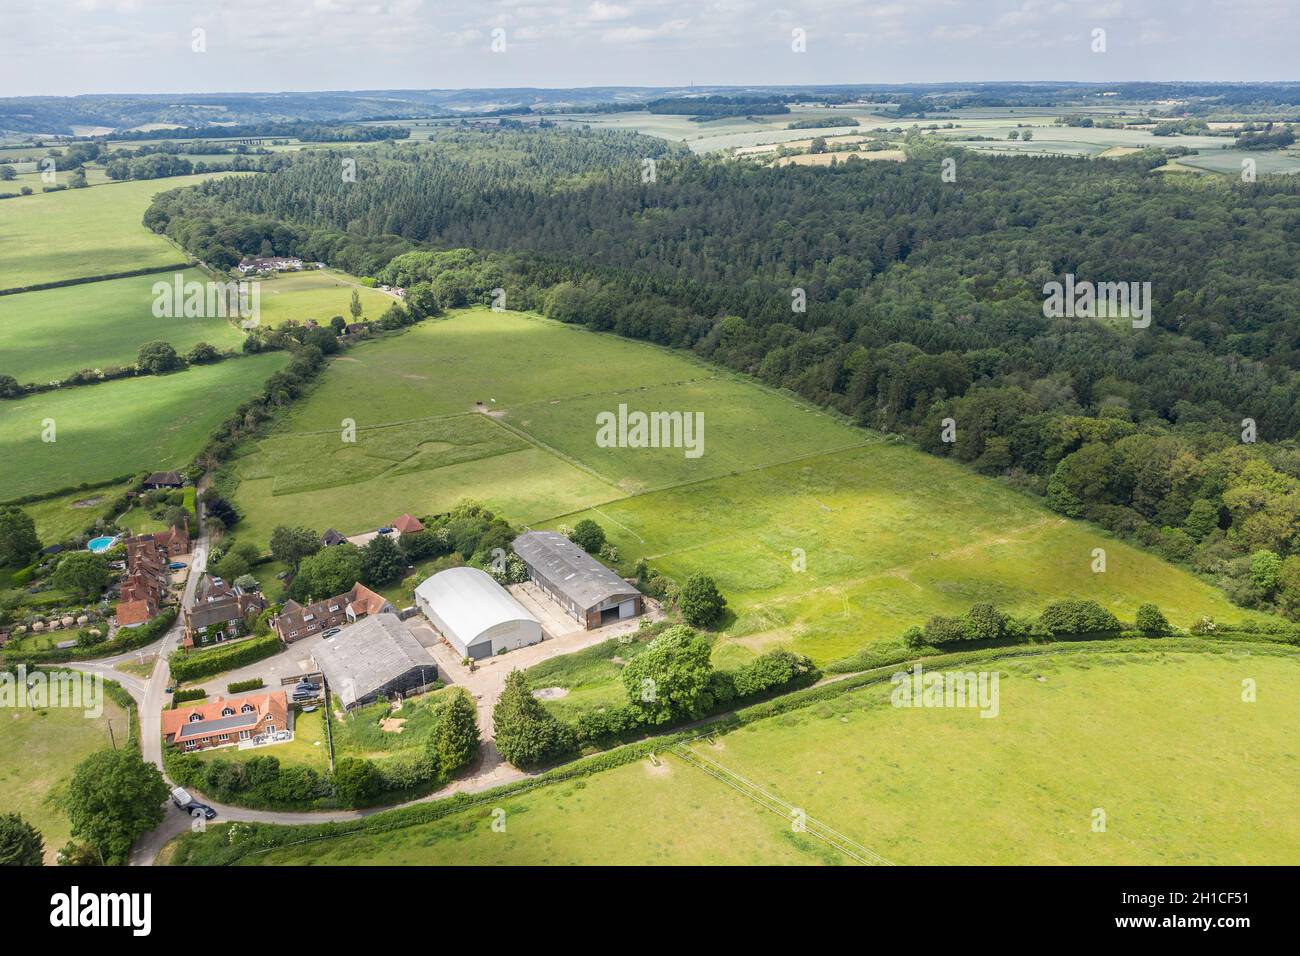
<point x="585" y="580"/>
<point x="368" y="655"/>
<point x="469" y="602"/>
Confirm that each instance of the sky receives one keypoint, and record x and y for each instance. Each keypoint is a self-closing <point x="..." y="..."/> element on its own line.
<point x="66" y="47"/>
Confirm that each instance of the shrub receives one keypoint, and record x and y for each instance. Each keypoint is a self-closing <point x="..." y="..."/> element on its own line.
<point x="186" y="666"/>
<point x="1151" y="622"/>
<point x="984" y="622"/>
<point x="701" y="603"/>
<point x="944" y="630"/>
<point x="193" y="693"/>
<point x="1065" y="618"/>
<point x="239" y="686"/>
<point x="356" y="779"/>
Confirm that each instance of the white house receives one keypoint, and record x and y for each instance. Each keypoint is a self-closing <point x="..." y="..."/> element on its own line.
<point x="475" y="614"/>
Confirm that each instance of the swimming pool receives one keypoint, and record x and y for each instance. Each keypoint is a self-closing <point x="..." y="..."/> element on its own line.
<point x="100" y="545"/>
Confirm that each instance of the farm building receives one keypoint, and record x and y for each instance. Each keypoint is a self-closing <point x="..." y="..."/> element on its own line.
<point x="475" y="614"/>
<point x="372" y="659"/>
<point x="587" y="590"/>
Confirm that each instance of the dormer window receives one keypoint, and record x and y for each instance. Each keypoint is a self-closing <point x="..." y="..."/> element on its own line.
<point x="227" y="712"/>
<point x="195" y="717"/>
<point x="246" y="709"/>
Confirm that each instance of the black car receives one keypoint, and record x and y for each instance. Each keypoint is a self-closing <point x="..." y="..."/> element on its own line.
<point x="191" y="806"/>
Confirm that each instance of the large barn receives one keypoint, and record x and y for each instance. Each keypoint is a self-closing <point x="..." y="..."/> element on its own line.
<point x="374" y="658"/>
<point x="475" y="614"/>
<point x="588" y="591"/>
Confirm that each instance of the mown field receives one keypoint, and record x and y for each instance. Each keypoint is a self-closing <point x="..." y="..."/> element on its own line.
<point x="51" y="334"/>
<point x="61" y="517"/>
<point x="39" y="749"/>
<point x="318" y="294"/>
<point x="1185" y="771"/>
<point x="116" y="428"/>
<point x="74" y="233"/>
<point x="888" y="535"/>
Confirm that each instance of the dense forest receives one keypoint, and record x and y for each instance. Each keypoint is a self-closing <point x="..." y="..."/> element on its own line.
<point x="924" y="301"/>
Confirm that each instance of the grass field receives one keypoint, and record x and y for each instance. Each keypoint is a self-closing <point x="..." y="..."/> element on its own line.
<point x="318" y="294"/>
<point x="61" y="517"/>
<point x="38" y="752"/>
<point x="53" y="333"/>
<point x="884" y="549"/>
<point x="115" y="428"/>
<point x="1185" y="771"/>
<point x="74" y="233"/>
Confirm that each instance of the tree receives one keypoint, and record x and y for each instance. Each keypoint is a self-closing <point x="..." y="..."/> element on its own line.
<point x="1151" y="622"/>
<point x="455" y="741"/>
<point x="588" y="535"/>
<point x="18" y="540"/>
<point x="81" y="573"/>
<point x="290" y="545"/>
<point x="1265" y="569"/>
<point x="701" y="603"/>
<point x="9" y="387"/>
<point x="418" y="545"/>
<point x="356" y="779"/>
<point x="236" y="562"/>
<point x="354" y="307"/>
<point x="382" y="561"/>
<point x="158" y="357"/>
<point x="328" y="572"/>
<point x="339" y="324"/>
<point x="114" y="797"/>
<point x="7" y="173"/>
<point x="1202" y="519"/>
<point x="324" y="339"/>
<point x="669" y="680"/>
<point x="527" y="734"/>
<point x="21" y="844"/>
<point x="218" y="507"/>
<point x="201" y="353"/>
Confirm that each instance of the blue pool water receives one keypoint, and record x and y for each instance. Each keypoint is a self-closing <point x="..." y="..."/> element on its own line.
<point x="99" y="545"/>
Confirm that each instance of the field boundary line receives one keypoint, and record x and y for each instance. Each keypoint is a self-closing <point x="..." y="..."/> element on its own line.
<point x="782" y="808"/>
<point x="538" y="443"/>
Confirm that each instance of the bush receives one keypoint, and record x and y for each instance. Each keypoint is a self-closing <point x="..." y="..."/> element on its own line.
<point x="239" y="686"/>
<point x="944" y="630"/>
<point x="193" y="693"/>
<point x="527" y="735"/>
<point x="702" y="605"/>
<point x="1069" y="618"/>
<point x="1151" y="622"/>
<point x="187" y="666"/>
<point x="588" y="535"/>
<point x="356" y="780"/>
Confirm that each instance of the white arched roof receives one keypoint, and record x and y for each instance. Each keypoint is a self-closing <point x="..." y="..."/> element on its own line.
<point x="469" y="602"/>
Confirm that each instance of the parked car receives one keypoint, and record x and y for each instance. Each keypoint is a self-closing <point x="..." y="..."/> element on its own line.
<point x="332" y="631"/>
<point x="189" y="805"/>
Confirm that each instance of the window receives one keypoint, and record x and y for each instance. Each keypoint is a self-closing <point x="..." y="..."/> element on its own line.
<point x="245" y="734"/>
<point x="246" y="709"/>
<point x="270" y="728"/>
<point x="195" y="717"/>
<point x="224" y="737"/>
<point x="227" y="712"/>
<point x="190" y="745"/>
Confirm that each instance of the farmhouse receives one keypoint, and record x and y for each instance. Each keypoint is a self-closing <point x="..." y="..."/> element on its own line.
<point x="476" y="615"/>
<point x="221" y="723"/>
<point x="376" y="658"/>
<point x="587" y="590"/>
<point x="296" y="621"/>
<point x="219" y="613"/>
<point x="146" y="582"/>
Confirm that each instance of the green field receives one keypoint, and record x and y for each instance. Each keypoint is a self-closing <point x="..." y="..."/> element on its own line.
<point x="116" y="428"/>
<point x="883" y="547"/>
<point x="53" y="333"/>
<point x="1185" y="771"/>
<point x="47" y="237"/>
<point x="39" y="749"/>
<point x="318" y="294"/>
<point x="61" y="517"/>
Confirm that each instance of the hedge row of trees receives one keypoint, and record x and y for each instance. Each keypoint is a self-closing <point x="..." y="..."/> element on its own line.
<point x="1060" y="619"/>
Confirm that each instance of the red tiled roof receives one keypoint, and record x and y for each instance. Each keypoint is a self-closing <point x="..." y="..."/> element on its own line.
<point x="407" y="524"/>
<point x="272" y="702"/>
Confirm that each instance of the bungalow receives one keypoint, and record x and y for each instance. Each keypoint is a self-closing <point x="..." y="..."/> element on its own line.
<point x="163" y="479"/>
<point x="222" y="723"/>
<point x="219" y="613"/>
<point x="297" y="621"/>
<point x="331" y="538"/>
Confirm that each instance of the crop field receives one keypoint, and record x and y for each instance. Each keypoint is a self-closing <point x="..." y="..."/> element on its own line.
<point x="39" y="749"/>
<point x="130" y="425"/>
<point x="51" y="334"/>
<point x="318" y="294"/>
<point x="1155" y="740"/>
<point x="821" y="535"/>
<point x="74" y="233"/>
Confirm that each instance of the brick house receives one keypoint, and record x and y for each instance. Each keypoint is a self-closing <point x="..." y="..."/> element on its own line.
<point x="219" y="613"/>
<point x="223" y="723"/>
<point x="296" y="621"/>
<point x="146" y="582"/>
